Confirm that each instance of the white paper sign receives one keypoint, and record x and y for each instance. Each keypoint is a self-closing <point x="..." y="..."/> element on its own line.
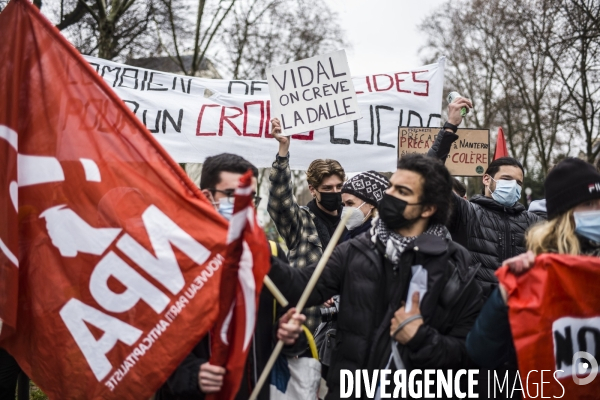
<point x="313" y="93"/>
<point x="194" y="118"/>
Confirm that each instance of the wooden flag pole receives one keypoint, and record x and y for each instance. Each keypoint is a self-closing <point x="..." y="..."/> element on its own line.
<point x="302" y="302"/>
<point x="275" y="292"/>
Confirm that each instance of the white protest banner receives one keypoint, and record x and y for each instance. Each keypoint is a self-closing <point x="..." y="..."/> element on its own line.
<point x="469" y="155"/>
<point x="194" y="118"/>
<point x="313" y="93"/>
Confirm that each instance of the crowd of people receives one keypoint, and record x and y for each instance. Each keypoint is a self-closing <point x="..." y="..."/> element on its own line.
<point x="415" y="230"/>
<point x="411" y="283"/>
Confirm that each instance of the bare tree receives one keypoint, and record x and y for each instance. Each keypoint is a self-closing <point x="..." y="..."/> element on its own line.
<point x="176" y="39"/>
<point x="265" y="33"/>
<point x="528" y="65"/>
<point x="574" y="49"/>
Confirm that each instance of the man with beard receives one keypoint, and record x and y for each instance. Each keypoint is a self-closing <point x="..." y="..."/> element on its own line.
<point x="492" y="225"/>
<point x="408" y="297"/>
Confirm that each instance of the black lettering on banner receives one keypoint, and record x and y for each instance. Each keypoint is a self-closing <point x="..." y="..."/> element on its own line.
<point x="583" y="343"/>
<point x="162" y="89"/>
<point x="372" y="130"/>
<point x="231" y="85"/>
<point x="334" y="140"/>
<point x="297" y="118"/>
<point x="106" y="67"/>
<point x="174" y="83"/>
<point x="182" y="85"/>
<point x="254" y="88"/>
<point x="346" y="106"/>
<point x="432" y="116"/>
<point x="136" y="105"/>
<point x="155" y="130"/>
<point x="312" y="76"/>
<point x="564" y="348"/>
<point x="416" y="114"/>
<point x="401" y="117"/>
<point x="96" y="67"/>
<point x="176" y="126"/>
<point x="379" y="142"/>
<point x="124" y="75"/>
<point x="333" y="70"/>
<point x="321" y="71"/>
<point x="144" y="80"/>
<point x="276" y="81"/>
<point x="189" y="85"/>
<point x="294" y="97"/>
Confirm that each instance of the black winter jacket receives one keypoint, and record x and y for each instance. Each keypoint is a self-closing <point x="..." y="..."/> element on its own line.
<point x="370" y="292"/>
<point x="489" y="230"/>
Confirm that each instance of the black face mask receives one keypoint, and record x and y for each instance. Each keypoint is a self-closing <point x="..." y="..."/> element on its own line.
<point x="391" y="211"/>
<point x="331" y="201"/>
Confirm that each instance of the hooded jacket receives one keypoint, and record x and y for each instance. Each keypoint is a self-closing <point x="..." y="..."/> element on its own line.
<point x="371" y="292"/>
<point x="490" y="231"/>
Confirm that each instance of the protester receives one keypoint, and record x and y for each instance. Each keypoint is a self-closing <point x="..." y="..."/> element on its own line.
<point x="573" y="228"/>
<point x="374" y="270"/>
<point x="491" y="226"/>
<point x="306" y="230"/>
<point x="360" y="196"/>
<point x="195" y="377"/>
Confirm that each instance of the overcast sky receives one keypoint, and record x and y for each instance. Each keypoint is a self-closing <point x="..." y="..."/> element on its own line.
<point x="383" y="33"/>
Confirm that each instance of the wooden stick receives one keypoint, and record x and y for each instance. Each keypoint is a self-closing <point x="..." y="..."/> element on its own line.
<point x="275" y="291"/>
<point x="302" y="302"/>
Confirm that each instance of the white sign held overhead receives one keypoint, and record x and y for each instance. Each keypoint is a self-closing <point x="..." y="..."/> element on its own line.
<point x="313" y="93"/>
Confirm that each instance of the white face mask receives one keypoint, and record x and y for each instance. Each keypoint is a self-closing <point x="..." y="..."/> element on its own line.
<point x="357" y="217"/>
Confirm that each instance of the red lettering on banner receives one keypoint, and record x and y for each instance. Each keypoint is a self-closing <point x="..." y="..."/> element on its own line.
<point x="308" y="136"/>
<point x="414" y="76"/>
<point x="198" y="133"/>
<point x="262" y="114"/>
<point x="268" y="121"/>
<point x="399" y="81"/>
<point x="377" y="89"/>
<point x="228" y="118"/>
<point x="369" y="84"/>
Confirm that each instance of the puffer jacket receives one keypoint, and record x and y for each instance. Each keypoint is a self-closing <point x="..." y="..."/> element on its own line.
<point x="359" y="272"/>
<point x="490" y="231"/>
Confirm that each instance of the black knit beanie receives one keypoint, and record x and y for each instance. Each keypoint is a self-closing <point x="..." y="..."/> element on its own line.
<point x="368" y="186"/>
<point x="571" y="182"/>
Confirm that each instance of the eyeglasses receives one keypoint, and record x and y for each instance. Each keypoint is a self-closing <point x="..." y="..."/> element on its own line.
<point x="230" y="195"/>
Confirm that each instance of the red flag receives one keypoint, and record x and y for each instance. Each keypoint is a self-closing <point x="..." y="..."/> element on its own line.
<point x="246" y="264"/>
<point x="501" y="150"/>
<point x="118" y="251"/>
<point x="554" y="313"/>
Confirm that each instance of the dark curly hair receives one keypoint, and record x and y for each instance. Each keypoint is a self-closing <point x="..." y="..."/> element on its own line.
<point x="437" y="184"/>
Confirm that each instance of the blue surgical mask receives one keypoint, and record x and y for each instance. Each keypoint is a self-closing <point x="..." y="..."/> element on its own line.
<point x="507" y="192"/>
<point x="587" y="224"/>
<point x="226" y="209"/>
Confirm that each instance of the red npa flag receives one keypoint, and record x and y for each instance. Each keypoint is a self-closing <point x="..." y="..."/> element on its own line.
<point x="246" y="263"/>
<point x="554" y="312"/>
<point x="118" y="253"/>
<point x="501" y="150"/>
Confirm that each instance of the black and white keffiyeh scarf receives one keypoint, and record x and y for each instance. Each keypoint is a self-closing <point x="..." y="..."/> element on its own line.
<point x="395" y="243"/>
